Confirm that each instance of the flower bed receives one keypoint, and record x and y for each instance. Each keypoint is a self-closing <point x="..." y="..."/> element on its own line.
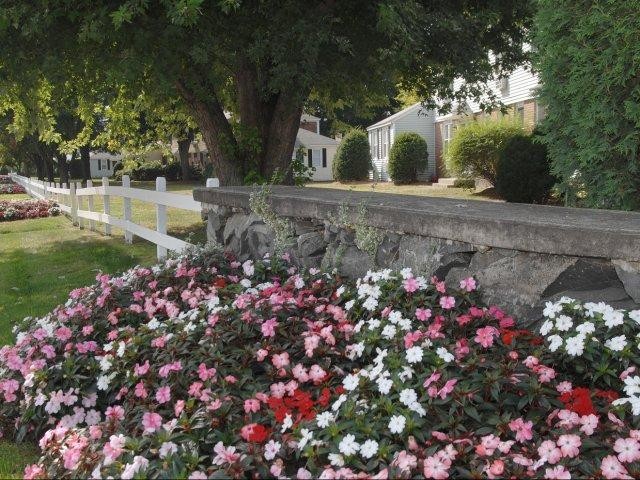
<point x="7" y="185"/>
<point x="23" y="209"/>
<point x="207" y="368"/>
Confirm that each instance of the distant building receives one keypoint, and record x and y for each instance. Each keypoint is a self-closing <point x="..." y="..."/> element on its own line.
<point x="103" y="164"/>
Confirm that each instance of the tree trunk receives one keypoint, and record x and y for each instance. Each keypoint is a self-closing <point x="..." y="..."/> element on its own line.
<point x="85" y="160"/>
<point x="183" y="155"/>
<point x="48" y="163"/>
<point x="217" y="135"/>
<point x="63" y="169"/>
<point x="38" y="162"/>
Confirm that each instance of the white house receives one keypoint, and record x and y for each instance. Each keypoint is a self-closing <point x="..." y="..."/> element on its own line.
<point x="517" y="92"/>
<point x="382" y="135"/>
<point x="102" y="164"/>
<point x="318" y="151"/>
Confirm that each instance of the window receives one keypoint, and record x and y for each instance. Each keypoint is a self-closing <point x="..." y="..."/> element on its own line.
<point x="541" y="112"/>
<point x="379" y="132"/>
<point x="447" y="135"/>
<point x="108" y="164"/>
<point x="520" y="112"/>
<point x="503" y="85"/>
<point x="99" y="164"/>
<point x="374" y="144"/>
<point x="315" y="157"/>
<point x="385" y="142"/>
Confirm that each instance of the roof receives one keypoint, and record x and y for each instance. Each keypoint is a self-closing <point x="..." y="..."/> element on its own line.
<point x="396" y="116"/>
<point x="307" y="138"/>
<point x="307" y="117"/>
<point x="105" y="155"/>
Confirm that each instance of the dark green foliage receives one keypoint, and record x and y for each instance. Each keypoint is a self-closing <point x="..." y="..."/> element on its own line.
<point x="407" y="157"/>
<point x="475" y="148"/>
<point x="353" y="158"/>
<point x="151" y="170"/>
<point x="588" y="63"/>
<point x="523" y="174"/>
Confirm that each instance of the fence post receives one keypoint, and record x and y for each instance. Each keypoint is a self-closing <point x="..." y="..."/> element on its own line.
<point x="126" y="183"/>
<point x="161" y="217"/>
<point x="213" y="182"/>
<point x="79" y="206"/>
<point x="107" y="206"/>
<point x="92" y="223"/>
<point x="44" y="190"/>
<point x="72" y="200"/>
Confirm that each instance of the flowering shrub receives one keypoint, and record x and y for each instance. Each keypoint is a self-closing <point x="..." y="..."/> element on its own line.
<point x="23" y="209"/>
<point x="203" y="367"/>
<point x="5" y="179"/>
<point x="6" y="188"/>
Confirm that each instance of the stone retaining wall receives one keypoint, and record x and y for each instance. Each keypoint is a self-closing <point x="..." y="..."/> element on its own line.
<point x="522" y="255"/>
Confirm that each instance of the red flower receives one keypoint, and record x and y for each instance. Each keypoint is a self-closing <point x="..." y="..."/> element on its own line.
<point x="254" y="432"/>
<point x="578" y="400"/>
<point x="609" y="395"/>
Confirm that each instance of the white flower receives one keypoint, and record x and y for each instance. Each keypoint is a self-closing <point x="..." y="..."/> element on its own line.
<point x="586" y="328"/>
<point x="613" y="318"/>
<point x="397" y="423"/>
<point x="370" y="304"/>
<point x="306" y="436"/>
<point x="349" y="304"/>
<point x="340" y="291"/>
<point x="406" y="273"/>
<point x="336" y="460"/>
<point x="616" y="344"/>
<point x="555" y="342"/>
<point x="350" y="382"/>
<point x="445" y="355"/>
<point x="575" y="345"/>
<point x="546" y="327"/>
<point x="635" y="315"/>
<point x="323" y="419"/>
<point x="245" y="282"/>
<point x="104" y="381"/>
<point x="167" y="448"/>
<point x="381" y="355"/>
<point x="348" y="445"/>
<point x="414" y="354"/>
<point x="634" y="401"/>
<point x="632" y="385"/>
<point x="408" y="396"/>
<point x="338" y="403"/>
<point x="153" y="324"/>
<point x="550" y="309"/>
<point x="105" y="363"/>
<point x="407" y="372"/>
<point x="271" y="449"/>
<point x="373" y="324"/>
<point x="405" y="324"/>
<point x="369" y="448"/>
<point x="384" y="385"/>
<point x="248" y="268"/>
<point x="564" y="323"/>
<point x="287" y="423"/>
<point x="389" y="332"/>
<point x="395" y="316"/>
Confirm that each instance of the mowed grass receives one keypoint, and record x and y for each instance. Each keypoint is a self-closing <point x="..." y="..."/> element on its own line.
<point x="420" y="189"/>
<point x="41" y="260"/>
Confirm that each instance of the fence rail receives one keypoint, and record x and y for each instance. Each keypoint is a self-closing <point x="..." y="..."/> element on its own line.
<point x="71" y="199"/>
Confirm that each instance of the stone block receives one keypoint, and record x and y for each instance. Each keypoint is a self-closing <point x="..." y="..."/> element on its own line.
<point x="311" y="244"/>
<point x="629" y="275"/>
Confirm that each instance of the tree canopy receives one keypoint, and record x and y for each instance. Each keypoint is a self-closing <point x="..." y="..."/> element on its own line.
<point x="244" y="69"/>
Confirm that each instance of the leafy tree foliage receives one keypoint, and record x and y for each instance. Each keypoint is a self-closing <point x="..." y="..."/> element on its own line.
<point x="260" y="61"/>
<point x="475" y="148"/>
<point x="588" y="63"/>
<point x="353" y="158"/>
<point x="407" y="156"/>
<point x="523" y="174"/>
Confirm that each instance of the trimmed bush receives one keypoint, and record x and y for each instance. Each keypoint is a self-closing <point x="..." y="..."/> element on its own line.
<point x="150" y="170"/>
<point x="353" y="159"/>
<point x="524" y="172"/>
<point x="475" y="148"/>
<point x="408" y="154"/>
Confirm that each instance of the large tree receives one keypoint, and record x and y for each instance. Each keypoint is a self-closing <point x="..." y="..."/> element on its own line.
<point x="260" y="59"/>
<point x="588" y="54"/>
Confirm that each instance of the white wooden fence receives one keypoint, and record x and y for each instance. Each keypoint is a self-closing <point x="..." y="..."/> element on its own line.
<point x="71" y="199"/>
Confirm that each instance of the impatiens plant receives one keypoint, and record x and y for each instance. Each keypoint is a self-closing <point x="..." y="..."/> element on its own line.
<point x="23" y="209"/>
<point x="205" y="367"/>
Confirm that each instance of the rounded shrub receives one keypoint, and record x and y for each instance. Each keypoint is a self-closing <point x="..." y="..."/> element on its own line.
<point x="408" y="154"/>
<point x="353" y="159"/>
<point x="523" y="173"/>
<point x="475" y="148"/>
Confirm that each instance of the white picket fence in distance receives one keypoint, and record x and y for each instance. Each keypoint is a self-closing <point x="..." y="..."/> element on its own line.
<point x="71" y="199"/>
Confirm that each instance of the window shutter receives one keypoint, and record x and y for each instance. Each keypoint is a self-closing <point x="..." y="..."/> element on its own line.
<point x="324" y="158"/>
<point x="310" y="157"/>
<point x="99" y="164"/>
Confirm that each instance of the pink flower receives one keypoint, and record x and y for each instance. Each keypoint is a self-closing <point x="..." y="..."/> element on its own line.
<point x="531" y="361"/>
<point x="612" y="469"/>
<point x="278" y="390"/>
<point x="225" y="454"/>
<point x="496" y="469"/>
<point x="569" y="445"/>
<point x="115" y="412"/>
<point x="488" y="445"/>
<point x="63" y="334"/>
<point x="140" y="370"/>
<point x="410" y="284"/>
<point x="447" y="303"/>
<point x="564" y="387"/>
<point x="557" y="473"/>
<point x="300" y="373"/>
<point x="523" y="429"/>
<point x="280" y="360"/>
<point x="178" y="407"/>
<point x="163" y="395"/>
<point x="448" y="388"/>
<point x="435" y="467"/>
<point x="269" y="327"/>
<point x="589" y="423"/>
<point x="405" y="461"/>
<point x="628" y="449"/>
<point x="151" y="422"/>
<point x="627" y="372"/>
<point x="140" y="391"/>
<point x="261" y="354"/>
<point x="316" y="373"/>
<point x="251" y="405"/>
<point x="434" y="377"/>
<point x="423" y="314"/>
<point x="549" y="452"/>
<point x="33" y="471"/>
<point x="484" y="336"/>
<point x="468" y="284"/>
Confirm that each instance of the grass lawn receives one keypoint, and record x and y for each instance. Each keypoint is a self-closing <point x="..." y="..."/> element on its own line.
<point x="421" y="189"/>
<point x="41" y="260"/>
